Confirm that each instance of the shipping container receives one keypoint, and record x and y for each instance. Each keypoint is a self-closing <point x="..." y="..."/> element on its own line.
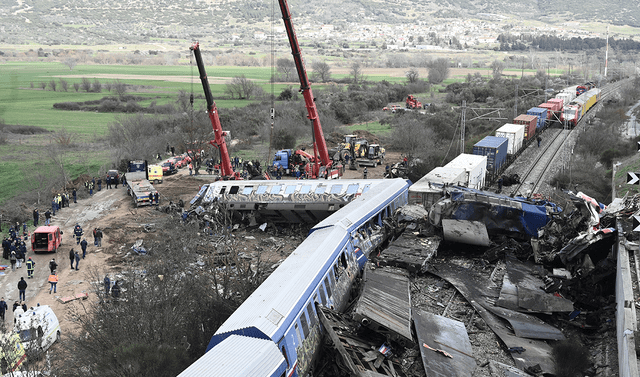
<point x="475" y="167"/>
<point x="530" y="122"/>
<point x="559" y="102"/>
<point x="514" y="133"/>
<point x="429" y="189"/>
<point x="540" y="113"/>
<point x="495" y="148"/>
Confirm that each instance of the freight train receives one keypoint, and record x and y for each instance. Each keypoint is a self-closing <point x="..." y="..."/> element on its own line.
<point x="276" y="331"/>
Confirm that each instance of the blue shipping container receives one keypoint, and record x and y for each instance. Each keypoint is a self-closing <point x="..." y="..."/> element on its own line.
<point x="495" y="148"/>
<point x="540" y="113"/>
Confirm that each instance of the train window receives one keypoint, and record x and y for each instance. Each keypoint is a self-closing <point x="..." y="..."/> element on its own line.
<point x="290" y="189"/>
<point x="343" y="260"/>
<point x="366" y="188"/>
<point x="352" y="189"/>
<point x="312" y="315"/>
<point x="333" y="278"/>
<point x="305" y="189"/>
<point x="305" y="327"/>
<point x="275" y="189"/>
<point x="247" y="190"/>
<point x="234" y="190"/>
<point x="336" y="189"/>
<point x="320" y="190"/>
<point x="323" y="297"/>
<point x="286" y="358"/>
<point x="261" y="189"/>
<point x="299" y="339"/>
<point x="327" y="286"/>
<point x="222" y="190"/>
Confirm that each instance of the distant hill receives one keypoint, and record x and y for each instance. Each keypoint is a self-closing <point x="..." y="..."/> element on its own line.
<point x="97" y="22"/>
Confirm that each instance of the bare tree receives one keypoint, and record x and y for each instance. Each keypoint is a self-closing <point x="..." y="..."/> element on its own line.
<point x="356" y="73"/>
<point x="64" y="85"/>
<point x="438" y="70"/>
<point x="287" y="69"/>
<point x="321" y="71"/>
<point x="120" y="88"/>
<point x="43" y="85"/>
<point x="76" y="86"/>
<point x="97" y="86"/>
<point x="86" y="84"/>
<point x="497" y="67"/>
<point x="71" y="63"/>
<point x="53" y="85"/>
<point x="242" y="87"/>
<point x="108" y="86"/>
<point x="412" y="75"/>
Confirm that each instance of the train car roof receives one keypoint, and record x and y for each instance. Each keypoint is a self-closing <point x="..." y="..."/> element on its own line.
<point x="239" y="356"/>
<point x="275" y="304"/>
<point x="372" y="201"/>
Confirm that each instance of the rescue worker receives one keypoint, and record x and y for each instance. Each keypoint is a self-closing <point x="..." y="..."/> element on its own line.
<point x="156" y="197"/>
<point x="77" y="230"/>
<point x="53" y="265"/>
<point x="115" y="290"/>
<point x="36" y="217"/>
<point x="98" y="237"/>
<point x="151" y="198"/>
<point x="538" y="139"/>
<point x="77" y="258"/>
<point x="83" y="246"/>
<point x="31" y="265"/>
<point x="75" y="195"/>
<point x="108" y="180"/>
<point x="365" y="172"/>
<point x="72" y="257"/>
<point x="47" y="218"/>
<point x="99" y="184"/>
<point x="107" y="285"/>
<point x="53" y="280"/>
<point x="22" y="289"/>
<point x="3" y="308"/>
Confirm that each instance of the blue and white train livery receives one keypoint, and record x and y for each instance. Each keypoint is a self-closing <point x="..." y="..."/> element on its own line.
<point x="276" y="331"/>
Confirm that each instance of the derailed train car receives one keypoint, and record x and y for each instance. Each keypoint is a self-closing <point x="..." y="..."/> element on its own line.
<point x="276" y="331"/>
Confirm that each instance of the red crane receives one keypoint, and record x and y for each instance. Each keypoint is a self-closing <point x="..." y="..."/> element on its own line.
<point x="320" y="150"/>
<point x="219" y="141"/>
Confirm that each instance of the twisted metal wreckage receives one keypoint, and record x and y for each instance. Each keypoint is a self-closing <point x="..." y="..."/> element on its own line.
<point x="559" y="262"/>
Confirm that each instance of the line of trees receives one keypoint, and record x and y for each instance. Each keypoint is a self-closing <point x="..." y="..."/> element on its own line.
<point x="510" y="42"/>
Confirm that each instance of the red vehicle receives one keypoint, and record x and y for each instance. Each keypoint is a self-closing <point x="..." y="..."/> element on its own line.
<point x="322" y="165"/>
<point x="412" y="102"/>
<point x="179" y="161"/>
<point x="219" y="142"/>
<point x="168" y="168"/>
<point x="46" y="239"/>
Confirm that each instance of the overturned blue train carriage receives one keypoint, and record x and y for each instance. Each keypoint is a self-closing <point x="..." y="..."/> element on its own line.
<point x="276" y="331"/>
<point x="500" y="214"/>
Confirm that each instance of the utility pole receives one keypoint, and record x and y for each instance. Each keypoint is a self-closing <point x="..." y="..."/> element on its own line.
<point x="463" y="125"/>
<point x="515" y="107"/>
<point x="606" y="54"/>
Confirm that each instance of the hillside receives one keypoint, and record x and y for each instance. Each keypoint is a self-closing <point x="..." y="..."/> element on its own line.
<point x="78" y="22"/>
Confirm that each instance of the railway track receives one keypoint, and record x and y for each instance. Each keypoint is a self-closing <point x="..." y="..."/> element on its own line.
<point x="534" y="174"/>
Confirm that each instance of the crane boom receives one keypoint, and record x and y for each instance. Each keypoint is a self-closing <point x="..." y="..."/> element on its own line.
<point x="319" y="144"/>
<point x="219" y="141"/>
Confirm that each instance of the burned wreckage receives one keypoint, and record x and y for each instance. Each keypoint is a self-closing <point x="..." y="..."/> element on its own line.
<point x="534" y="272"/>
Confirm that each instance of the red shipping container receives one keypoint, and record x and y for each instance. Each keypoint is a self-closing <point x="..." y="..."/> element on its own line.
<point x="559" y="102"/>
<point x="549" y="107"/>
<point x="530" y="122"/>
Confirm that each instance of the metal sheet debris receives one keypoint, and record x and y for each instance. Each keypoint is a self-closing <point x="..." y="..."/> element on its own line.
<point x="385" y="303"/>
<point x="449" y="336"/>
<point x="479" y="292"/>
<point x="467" y="232"/>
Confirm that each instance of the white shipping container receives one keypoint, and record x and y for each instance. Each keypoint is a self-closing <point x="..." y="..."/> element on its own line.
<point x="475" y="167"/>
<point x="425" y="193"/>
<point x="514" y="133"/>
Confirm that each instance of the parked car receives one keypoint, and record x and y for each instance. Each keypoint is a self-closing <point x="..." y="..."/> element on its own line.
<point x="169" y="168"/>
<point x="114" y="174"/>
<point x="46" y="239"/>
<point x="180" y="161"/>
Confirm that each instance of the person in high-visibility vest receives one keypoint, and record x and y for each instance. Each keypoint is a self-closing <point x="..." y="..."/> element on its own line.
<point x="53" y="280"/>
<point x="31" y="265"/>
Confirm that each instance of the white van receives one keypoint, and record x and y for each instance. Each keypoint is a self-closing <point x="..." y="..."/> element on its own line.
<point x="38" y="328"/>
